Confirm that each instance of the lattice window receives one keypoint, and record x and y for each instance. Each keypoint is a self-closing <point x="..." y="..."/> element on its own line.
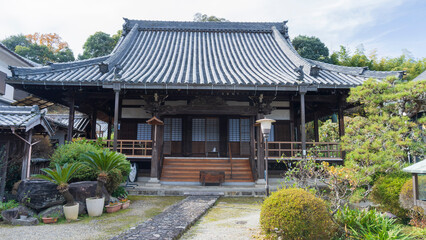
<point x="234" y="130"/>
<point x="173" y="129"/>
<point x="245" y="129"/>
<point x="143" y="131"/>
<point x="212" y="130"/>
<point x="198" y="130"/>
<point x="176" y="129"/>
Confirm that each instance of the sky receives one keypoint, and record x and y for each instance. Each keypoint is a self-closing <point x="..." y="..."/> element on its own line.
<point x="385" y="26"/>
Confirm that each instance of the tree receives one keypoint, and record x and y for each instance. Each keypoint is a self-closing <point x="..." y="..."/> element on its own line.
<point x="198" y="17"/>
<point x="97" y="45"/>
<point x="311" y="48"/>
<point x="16" y="40"/>
<point x="381" y="134"/>
<point x="40" y="48"/>
<point x="51" y="40"/>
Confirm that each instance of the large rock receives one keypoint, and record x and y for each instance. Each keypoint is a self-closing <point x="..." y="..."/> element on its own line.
<point x="9" y="215"/>
<point x="86" y="189"/>
<point x="41" y="194"/>
<point x="57" y="210"/>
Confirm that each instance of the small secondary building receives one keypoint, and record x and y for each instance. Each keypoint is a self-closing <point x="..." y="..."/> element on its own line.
<point x="208" y="82"/>
<point x="418" y="171"/>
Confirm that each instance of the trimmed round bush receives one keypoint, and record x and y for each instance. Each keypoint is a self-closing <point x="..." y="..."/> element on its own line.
<point x="406" y="196"/>
<point x="296" y="214"/>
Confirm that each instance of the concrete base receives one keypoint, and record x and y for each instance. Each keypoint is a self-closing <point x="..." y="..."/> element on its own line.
<point x="260" y="182"/>
<point x="153" y="182"/>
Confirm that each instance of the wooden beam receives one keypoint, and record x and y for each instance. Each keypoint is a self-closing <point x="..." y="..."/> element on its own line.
<point x="109" y="127"/>
<point x="208" y="110"/>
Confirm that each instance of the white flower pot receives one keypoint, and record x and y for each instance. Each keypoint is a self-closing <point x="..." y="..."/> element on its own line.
<point x="95" y="206"/>
<point x="71" y="212"/>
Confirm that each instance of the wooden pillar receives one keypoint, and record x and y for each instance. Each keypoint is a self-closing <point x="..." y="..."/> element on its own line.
<point x="316" y="130"/>
<point x="341" y="125"/>
<point x="27" y="148"/>
<point x="415" y="188"/>
<point x="292" y="131"/>
<point x="109" y="127"/>
<point x="260" y="152"/>
<point x="252" y="147"/>
<point x="71" y="118"/>
<point x="341" y="122"/>
<point x="93" y="118"/>
<point x="116" y="102"/>
<point x="4" y="159"/>
<point x="302" y="123"/>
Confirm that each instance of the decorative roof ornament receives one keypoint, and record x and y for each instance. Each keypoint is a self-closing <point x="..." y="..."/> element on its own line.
<point x="117" y="70"/>
<point x="301" y="74"/>
<point x="285" y="29"/>
<point x="315" y="71"/>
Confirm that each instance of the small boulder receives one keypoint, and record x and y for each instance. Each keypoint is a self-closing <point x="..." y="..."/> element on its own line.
<point x="55" y="210"/>
<point x="9" y="215"/>
<point x="29" y="221"/>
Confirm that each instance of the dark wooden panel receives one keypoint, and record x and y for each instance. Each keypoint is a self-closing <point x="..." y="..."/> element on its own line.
<point x="235" y="148"/>
<point x="282" y="131"/>
<point x="128" y="129"/>
<point x="176" y="148"/>
<point x="198" y="147"/>
<point x="245" y="149"/>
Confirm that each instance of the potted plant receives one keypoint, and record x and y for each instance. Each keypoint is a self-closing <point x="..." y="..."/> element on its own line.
<point x="103" y="163"/>
<point x="61" y="176"/>
<point x="113" y="207"/>
<point x="125" y="202"/>
<point x="52" y="218"/>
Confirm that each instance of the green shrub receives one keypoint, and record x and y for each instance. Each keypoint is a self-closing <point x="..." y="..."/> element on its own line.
<point x="296" y="214"/>
<point x="120" y="192"/>
<point x="74" y="152"/>
<point x="356" y="224"/>
<point x="386" y="193"/>
<point x="406" y="197"/>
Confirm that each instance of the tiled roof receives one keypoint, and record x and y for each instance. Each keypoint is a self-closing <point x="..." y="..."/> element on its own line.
<point x="422" y="76"/>
<point x="419" y="167"/>
<point x="158" y="54"/>
<point x="80" y="121"/>
<point x="22" y="117"/>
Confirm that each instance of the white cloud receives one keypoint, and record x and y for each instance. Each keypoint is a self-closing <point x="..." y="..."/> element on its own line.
<point x="333" y="21"/>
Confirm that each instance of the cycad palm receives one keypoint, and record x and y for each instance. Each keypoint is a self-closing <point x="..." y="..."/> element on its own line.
<point x="61" y="176"/>
<point x="103" y="163"/>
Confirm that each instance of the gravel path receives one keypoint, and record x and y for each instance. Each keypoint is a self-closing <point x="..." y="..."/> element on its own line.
<point x="104" y="227"/>
<point x="230" y="218"/>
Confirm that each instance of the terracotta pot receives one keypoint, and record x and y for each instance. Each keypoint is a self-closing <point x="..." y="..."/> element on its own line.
<point x="71" y="212"/>
<point x="125" y="204"/>
<point x="113" y="208"/>
<point x="95" y="206"/>
<point x="47" y="220"/>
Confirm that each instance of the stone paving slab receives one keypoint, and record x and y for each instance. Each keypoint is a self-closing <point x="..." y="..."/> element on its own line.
<point x="173" y="222"/>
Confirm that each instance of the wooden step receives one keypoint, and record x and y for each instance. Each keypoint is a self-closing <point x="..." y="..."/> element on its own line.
<point x="188" y="169"/>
